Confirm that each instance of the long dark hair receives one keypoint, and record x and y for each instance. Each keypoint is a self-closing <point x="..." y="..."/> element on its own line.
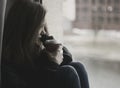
<point x="21" y="31"/>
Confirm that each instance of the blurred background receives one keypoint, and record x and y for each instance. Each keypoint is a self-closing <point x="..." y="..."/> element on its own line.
<point x="90" y="29"/>
<point x="92" y="33"/>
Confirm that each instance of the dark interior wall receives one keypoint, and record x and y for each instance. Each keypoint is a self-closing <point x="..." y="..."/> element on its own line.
<point x="2" y="14"/>
<point x="9" y="4"/>
<point x="4" y="8"/>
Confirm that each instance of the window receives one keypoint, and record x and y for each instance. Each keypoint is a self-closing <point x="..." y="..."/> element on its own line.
<point x="94" y="9"/>
<point x="95" y="35"/>
<point x="116" y="19"/>
<point x="100" y="10"/>
<point x="116" y="9"/>
<point x="85" y="1"/>
<point x="101" y="1"/>
<point x="100" y="19"/>
<point x="109" y="19"/>
<point x="84" y="9"/>
<point x="116" y="1"/>
<point x="93" y="1"/>
<point x="84" y="18"/>
<point x="109" y="1"/>
<point x="94" y="19"/>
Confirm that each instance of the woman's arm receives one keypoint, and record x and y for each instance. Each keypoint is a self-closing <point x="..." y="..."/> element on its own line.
<point x="67" y="56"/>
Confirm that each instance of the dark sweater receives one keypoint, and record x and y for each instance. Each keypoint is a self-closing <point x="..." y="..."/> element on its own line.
<point x="40" y="75"/>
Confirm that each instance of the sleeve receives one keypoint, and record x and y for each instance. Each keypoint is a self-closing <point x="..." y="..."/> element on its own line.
<point x="67" y="56"/>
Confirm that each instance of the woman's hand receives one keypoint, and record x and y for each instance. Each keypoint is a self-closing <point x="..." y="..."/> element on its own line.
<point x="57" y="56"/>
<point x="55" y="51"/>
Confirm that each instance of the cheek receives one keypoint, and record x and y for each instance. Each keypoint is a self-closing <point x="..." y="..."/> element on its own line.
<point x="42" y="31"/>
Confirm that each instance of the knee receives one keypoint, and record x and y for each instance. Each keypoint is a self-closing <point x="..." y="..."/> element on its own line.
<point x="79" y="67"/>
<point x="77" y="64"/>
<point x="67" y="69"/>
<point x="69" y="76"/>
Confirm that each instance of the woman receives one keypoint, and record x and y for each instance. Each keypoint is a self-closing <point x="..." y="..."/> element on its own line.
<point x="26" y="63"/>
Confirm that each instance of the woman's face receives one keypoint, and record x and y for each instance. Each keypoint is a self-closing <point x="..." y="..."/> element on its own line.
<point x="41" y="30"/>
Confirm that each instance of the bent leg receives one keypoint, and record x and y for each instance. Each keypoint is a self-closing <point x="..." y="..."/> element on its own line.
<point x="82" y="74"/>
<point x="68" y="77"/>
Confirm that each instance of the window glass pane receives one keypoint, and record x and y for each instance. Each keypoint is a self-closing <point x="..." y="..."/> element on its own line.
<point x="85" y="1"/>
<point x="101" y="1"/>
<point x="100" y="10"/>
<point x="100" y="19"/>
<point x="84" y="9"/>
<point x="116" y="9"/>
<point x="116" y="1"/>
<point x="116" y="19"/>
<point x="96" y="34"/>
<point x="109" y="19"/>
<point x="109" y="1"/>
<point x="93" y="1"/>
